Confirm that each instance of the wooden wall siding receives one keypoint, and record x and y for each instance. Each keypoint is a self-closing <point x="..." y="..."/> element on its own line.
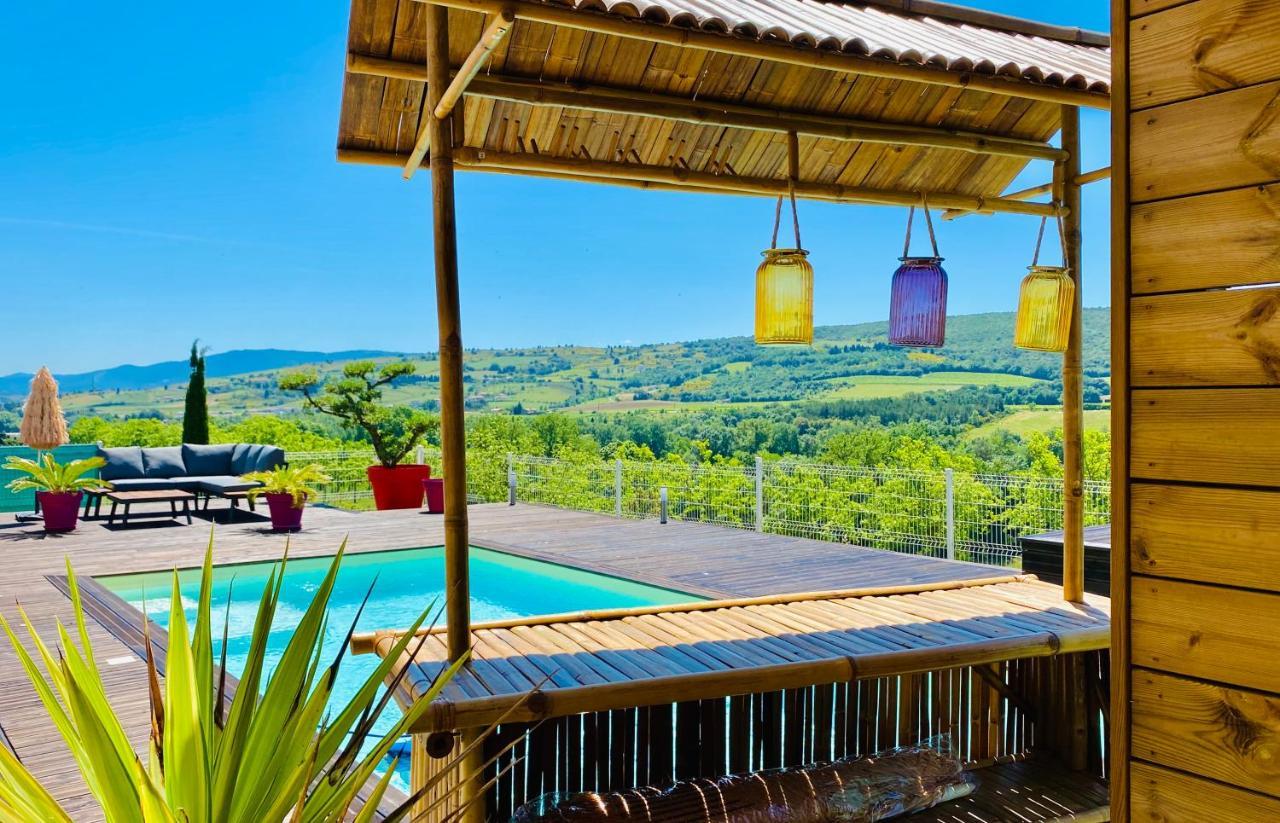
<point x="1223" y="141"/>
<point x="1138" y="8"/>
<point x="1225" y="338"/>
<point x="1199" y="48"/>
<point x="1226" y="436"/>
<point x="1208" y="535"/>
<point x="1217" y="732"/>
<point x="1162" y="795"/>
<point x="1228" y="238"/>
<point x="1209" y="632"/>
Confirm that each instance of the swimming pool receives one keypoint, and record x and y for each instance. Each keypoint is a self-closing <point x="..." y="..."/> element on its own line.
<point x="404" y="582"/>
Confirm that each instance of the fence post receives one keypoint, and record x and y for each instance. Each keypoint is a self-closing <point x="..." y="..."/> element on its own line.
<point x="951" y="513"/>
<point x="759" y="493"/>
<point x="511" y="480"/>
<point x="617" y="488"/>
<point x="662" y="504"/>
<point x="420" y="454"/>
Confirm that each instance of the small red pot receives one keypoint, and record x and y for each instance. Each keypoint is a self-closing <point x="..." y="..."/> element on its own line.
<point x="285" y="517"/>
<point x="61" y="510"/>
<point x="399" y="487"/>
<point x="434" y="488"/>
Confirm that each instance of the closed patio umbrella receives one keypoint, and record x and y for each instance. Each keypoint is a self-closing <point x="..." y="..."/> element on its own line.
<point x="43" y="426"/>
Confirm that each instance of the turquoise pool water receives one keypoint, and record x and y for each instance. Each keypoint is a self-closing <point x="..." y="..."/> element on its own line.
<point x="404" y="583"/>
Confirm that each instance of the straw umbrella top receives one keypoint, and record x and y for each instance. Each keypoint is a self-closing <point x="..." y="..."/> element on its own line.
<point x="43" y="426"/>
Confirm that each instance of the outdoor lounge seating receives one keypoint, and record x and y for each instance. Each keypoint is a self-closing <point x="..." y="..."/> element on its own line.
<point x="206" y="471"/>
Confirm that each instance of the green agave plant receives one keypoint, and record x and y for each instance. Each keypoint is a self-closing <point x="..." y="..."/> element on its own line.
<point x="273" y="754"/>
<point x="47" y="474"/>
<point x="299" y="482"/>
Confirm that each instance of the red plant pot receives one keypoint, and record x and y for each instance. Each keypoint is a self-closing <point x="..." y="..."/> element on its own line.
<point x="61" y="510"/>
<point x="285" y="517"/>
<point x="399" y="487"/>
<point x="434" y="488"/>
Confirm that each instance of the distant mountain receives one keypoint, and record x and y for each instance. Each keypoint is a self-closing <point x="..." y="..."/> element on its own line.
<point x="223" y="364"/>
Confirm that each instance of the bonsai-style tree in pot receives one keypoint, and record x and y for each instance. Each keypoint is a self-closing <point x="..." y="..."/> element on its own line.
<point x="287" y="489"/>
<point x="59" y="487"/>
<point x="394" y="432"/>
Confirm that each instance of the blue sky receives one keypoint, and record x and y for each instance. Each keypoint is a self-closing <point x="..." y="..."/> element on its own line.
<point x="167" y="172"/>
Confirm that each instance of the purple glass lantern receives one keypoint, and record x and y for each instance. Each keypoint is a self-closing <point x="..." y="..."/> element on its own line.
<point x="918" y="303"/>
<point x="918" y="300"/>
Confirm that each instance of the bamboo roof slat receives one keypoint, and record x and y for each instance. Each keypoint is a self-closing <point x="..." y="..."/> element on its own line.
<point x="621" y="89"/>
<point x="648" y="656"/>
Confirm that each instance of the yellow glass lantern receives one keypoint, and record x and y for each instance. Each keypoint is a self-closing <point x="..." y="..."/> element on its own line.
<point x="1046" y="301"/>
<point x="784" y="289"/>
<point x="784" y="298"/>
<point x="1044" y="309"/>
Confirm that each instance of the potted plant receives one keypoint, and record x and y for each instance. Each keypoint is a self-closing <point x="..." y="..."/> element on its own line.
<point x="59" y="487"/>
<point x="393" y="432"/>
<point x="287" y="489"/>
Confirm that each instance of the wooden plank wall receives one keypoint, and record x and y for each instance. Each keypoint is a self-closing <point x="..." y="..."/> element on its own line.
<point x="1196" y="598"/>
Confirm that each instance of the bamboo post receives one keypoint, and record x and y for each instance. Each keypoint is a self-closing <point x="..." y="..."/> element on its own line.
<point x="1067" y="175"/>
<point x="452" y="427"/>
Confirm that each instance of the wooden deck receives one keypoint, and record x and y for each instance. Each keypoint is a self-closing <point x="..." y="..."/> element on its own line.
<point x="705" y="560"/>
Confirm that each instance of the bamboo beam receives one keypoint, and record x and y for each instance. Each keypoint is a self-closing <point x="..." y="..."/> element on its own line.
<point x="489" y="40"/>
<point x="1072" y="370"/>
<point x="1094" y="176"/>
<point x="638" y="103"/>
<point x="807" y="56"/>
<point x="444" y="715"/>
<point x="681" y="179"/>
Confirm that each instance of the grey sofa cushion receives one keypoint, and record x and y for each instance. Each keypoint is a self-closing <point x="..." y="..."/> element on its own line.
<point x="222" y="484"/>
<point x="165" y="461"/>
<point x="207" y="461"/>
<point x="251" y="457"/>
<point x="140" y="484"/>
<point x="123" y="463"/>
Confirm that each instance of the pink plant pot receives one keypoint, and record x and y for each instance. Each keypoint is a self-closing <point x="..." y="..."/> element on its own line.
<point x="285" y="517"/>
<point x="434" y="488"/>
<point x="61" y="510"/>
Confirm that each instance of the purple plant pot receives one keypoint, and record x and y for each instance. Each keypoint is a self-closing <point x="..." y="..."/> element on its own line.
<point x="285" y="517"/>
<point x="61" y="510"/>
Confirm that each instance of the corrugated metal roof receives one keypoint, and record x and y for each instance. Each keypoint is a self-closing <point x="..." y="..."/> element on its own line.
<point x="870" y="29"/>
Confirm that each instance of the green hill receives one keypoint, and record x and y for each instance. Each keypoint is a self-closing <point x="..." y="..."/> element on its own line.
<point x="845" y="363"/>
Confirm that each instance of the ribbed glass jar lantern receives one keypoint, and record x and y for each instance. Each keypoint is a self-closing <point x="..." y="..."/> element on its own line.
<point x="918" y="303"/>
<point x="784" y="298"/>
<point x="1044" y="309"/>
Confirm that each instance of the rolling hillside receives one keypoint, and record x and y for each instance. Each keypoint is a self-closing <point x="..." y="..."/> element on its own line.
<point x="845" y="363"/>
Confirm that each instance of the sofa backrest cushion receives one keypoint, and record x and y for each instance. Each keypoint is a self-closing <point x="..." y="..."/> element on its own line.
<point x="164" y="461"/>
<point x="251" y="457"/>
<point x="123" y="463"/>
<point x="207" y="461"/>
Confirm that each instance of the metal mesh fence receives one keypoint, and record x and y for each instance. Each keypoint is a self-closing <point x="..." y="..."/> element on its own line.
<point x="974" y="517"/>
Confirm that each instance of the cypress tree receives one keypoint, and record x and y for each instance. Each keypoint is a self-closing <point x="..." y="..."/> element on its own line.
<point x="195" y="417"/>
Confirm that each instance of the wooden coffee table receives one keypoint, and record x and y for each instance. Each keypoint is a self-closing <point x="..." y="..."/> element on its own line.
<point x="171" y="496"/>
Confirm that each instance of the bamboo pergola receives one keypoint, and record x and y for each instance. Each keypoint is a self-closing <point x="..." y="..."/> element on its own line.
<point x="879" y="101"/>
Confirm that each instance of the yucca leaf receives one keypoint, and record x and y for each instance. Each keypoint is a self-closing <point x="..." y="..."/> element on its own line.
<point x="116" y="790"/>
<point x="374" y="800"/>
<point x="23" y="796"/>
<point x="202" y="648"/>
<point x="186" y="761"/>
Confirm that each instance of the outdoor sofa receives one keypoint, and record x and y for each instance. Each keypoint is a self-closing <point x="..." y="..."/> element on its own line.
<point x="204" y="471"/>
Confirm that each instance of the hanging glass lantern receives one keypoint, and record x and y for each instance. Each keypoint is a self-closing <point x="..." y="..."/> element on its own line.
<point x="1045" y="304"/>
<point x="1044" y="309"/>
<point x="918" y="297"/>
<point x="784" y="291"/>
